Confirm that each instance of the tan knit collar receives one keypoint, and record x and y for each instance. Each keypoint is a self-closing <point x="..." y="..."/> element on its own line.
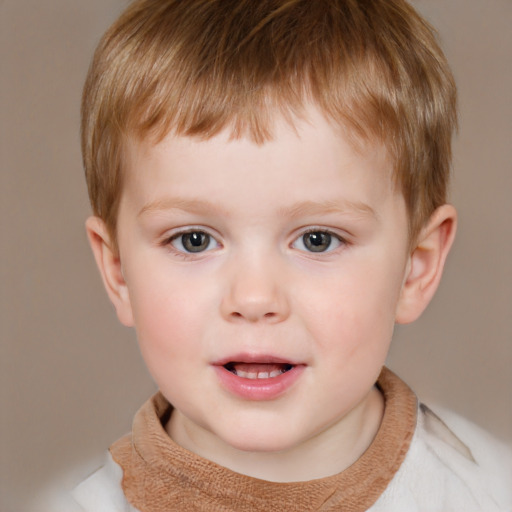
<point x="161" y="476"/>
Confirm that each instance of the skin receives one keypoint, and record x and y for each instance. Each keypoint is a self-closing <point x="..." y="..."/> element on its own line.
<point x="258" y="289"/>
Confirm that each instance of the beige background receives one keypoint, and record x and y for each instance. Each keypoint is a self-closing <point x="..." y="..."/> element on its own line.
<point x="71" y="377"/>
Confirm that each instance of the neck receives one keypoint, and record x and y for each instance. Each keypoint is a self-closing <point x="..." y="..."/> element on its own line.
<point x="327" y="453"/>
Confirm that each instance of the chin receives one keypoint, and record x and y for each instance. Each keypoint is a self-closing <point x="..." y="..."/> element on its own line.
<point x="260" y="441"/>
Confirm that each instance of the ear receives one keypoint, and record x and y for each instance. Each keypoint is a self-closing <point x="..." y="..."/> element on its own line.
<point x="426" y="263"/>
<point x="109" y="265"/>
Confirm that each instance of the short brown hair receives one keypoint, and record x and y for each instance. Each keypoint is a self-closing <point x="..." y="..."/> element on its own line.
<point x="195" y="67"/>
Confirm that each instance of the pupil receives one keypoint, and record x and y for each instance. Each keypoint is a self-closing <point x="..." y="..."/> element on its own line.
<point x="196" y="241"/>
<point x="317" y="241"/>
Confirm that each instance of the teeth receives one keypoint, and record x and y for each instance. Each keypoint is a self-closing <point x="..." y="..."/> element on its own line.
<point x="258" y="375"/>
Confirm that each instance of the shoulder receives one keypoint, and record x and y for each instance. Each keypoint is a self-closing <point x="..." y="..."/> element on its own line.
<point x="483" y="462"/>
<point x="451" y="465"/>
<point x="102" y="491"/>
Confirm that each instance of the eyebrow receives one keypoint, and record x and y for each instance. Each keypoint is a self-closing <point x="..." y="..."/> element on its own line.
<point x="205" y="207"/>
<point x="339" y="206"/>
<point x="197" y="206"/>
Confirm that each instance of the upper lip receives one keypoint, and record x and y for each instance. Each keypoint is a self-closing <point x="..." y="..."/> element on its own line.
<point x="255" y="359"/>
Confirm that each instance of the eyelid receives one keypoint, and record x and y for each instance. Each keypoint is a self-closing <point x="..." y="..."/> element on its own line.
<point x="343" y="237"/>
<point x="173" y="233"/>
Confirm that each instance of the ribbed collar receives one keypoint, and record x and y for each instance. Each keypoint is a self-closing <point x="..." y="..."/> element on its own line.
<point x="161" y="476"/>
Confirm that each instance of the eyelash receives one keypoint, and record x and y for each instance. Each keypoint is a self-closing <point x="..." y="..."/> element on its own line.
<point x="185" y="254"/>
<point x="333" y="237"/>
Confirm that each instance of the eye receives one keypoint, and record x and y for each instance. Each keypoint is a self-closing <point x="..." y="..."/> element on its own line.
<point x="193" y="242"/>
<point x="318" y="241"/>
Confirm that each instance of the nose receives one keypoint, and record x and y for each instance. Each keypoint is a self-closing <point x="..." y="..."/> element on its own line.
<point x="256" y="292"/>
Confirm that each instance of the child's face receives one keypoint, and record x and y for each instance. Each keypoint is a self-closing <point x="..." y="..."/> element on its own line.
<point x="263" y="281"/>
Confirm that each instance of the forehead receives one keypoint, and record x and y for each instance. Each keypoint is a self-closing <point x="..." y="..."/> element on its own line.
<point x="309" y="156"/>
<point x="308" y="131"/>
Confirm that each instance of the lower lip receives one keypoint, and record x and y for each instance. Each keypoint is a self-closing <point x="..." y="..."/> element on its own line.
<point x="259" y="389"/>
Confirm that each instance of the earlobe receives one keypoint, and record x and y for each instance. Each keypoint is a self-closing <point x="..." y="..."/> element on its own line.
<point x="426" y="264"/>
<point x="109" y="265"/>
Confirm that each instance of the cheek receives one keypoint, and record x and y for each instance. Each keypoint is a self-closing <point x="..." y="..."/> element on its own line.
<point x="356" y="306"/>
<point x="169" y="314"/>
<point x="168" y="336"/>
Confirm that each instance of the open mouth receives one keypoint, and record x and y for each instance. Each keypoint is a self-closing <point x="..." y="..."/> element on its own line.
<point x="258" y="376"/>
<point x="257" y="370"/>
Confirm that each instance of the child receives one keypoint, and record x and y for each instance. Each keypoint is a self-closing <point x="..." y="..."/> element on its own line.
<point x="268" y="180"/>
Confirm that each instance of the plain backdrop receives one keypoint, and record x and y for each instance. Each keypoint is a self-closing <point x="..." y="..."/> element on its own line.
<point x="71" y="376"/>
